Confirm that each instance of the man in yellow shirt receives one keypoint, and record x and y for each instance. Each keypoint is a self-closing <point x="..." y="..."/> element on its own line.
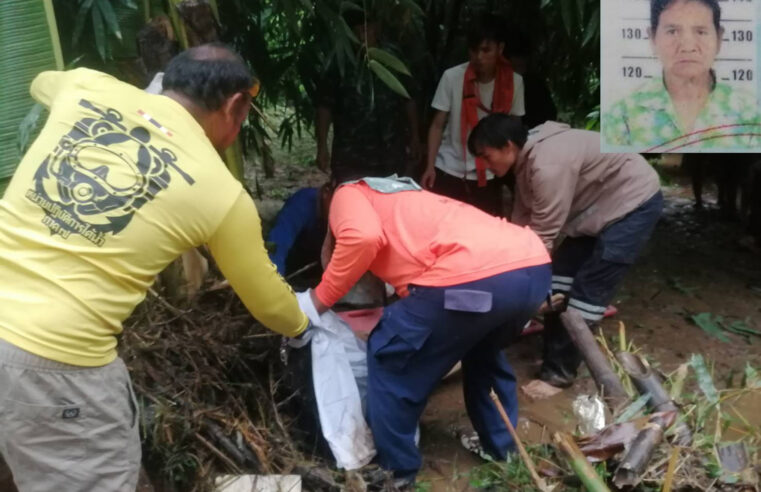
<point x="118" y="184"/>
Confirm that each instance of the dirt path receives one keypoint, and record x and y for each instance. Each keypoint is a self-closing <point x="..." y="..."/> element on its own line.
<point x="692" y="265"/>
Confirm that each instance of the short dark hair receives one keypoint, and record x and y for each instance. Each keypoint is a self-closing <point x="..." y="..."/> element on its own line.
<point x="658" y="6"/>
<point x="496" y="131"/>
<point x="208" y="74"/>
<point x="486" y="27"/>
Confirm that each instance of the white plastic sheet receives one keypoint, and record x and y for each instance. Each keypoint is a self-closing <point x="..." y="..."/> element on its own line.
<point x="339" y="372"/>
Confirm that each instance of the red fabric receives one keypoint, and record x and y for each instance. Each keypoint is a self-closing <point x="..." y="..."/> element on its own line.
<point x="362" y="321"/>
<point x="501" y="103"/>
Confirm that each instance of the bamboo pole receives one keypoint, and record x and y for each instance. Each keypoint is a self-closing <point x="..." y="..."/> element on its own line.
<point x="634" y="464"/>
<point x="55" y="40"/>
<point x="540" y="483"/>
<point x="647" y="382"/>
<point x="579" y="463"/>
<point x="607" y="382"/>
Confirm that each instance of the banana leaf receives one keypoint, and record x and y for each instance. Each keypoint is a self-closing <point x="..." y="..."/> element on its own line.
<point x="29" y="40"/>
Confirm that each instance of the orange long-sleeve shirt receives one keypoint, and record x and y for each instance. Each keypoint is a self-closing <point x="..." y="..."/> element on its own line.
<point x="420" y="238"/>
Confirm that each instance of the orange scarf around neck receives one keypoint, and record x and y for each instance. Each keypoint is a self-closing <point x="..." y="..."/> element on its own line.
<point x="502" y="101"/>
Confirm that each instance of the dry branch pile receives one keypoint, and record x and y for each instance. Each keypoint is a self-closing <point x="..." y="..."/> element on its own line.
<point x="209" y="381"/>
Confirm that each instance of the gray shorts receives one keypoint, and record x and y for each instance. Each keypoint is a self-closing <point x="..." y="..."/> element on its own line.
<point x="67" y="428"/>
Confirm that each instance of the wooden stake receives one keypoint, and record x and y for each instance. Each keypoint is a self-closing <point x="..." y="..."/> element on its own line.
<point x="540" y="483"/>
<point x="671" y="470"/>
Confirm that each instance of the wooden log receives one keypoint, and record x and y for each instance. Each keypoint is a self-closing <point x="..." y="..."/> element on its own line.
<point x="607" y="382"/>
<point x="647" y="382"/>
<point x="579" y="463"/>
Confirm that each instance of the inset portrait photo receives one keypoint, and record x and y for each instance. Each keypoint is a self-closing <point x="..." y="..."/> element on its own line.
<point x="680" y="76"/>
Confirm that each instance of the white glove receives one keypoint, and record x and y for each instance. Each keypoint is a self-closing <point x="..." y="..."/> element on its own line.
<point x="307" y="306"/>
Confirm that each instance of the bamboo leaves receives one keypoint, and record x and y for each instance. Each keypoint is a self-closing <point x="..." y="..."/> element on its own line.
<point x="388" y="60"/>
<point x="717" y="326"/>
<point x="380" y="61"/>
<point x="28" y="35"/>
<point x="104" y="21"/>
<point x="388" y="78"/>
<point x="705" y="381"/>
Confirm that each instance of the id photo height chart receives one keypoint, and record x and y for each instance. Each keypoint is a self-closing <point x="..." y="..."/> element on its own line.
<point x="628" y="61"/>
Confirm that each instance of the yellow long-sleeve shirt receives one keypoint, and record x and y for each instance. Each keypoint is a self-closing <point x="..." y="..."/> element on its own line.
<point x="118" y="184"/>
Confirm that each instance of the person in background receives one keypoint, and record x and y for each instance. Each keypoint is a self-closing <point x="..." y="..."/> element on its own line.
<point x="372" y="135"/>
<point x="118" y="184"/>
<point x="468" y="284"/>
<point x="299" y="230"/>
<point x="466" y="93"/>
<point x="593" y="211"/>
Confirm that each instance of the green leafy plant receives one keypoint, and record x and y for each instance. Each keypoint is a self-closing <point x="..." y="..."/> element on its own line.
<point x="101" y="18"/>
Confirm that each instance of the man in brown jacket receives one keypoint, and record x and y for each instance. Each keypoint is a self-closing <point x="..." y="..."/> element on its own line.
<point x="594" y="212"/>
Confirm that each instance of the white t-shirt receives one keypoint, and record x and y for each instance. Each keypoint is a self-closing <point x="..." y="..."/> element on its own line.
<point x="448" y="98"/>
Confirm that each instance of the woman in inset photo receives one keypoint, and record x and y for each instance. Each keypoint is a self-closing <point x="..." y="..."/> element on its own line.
<point x="687" y="108"/>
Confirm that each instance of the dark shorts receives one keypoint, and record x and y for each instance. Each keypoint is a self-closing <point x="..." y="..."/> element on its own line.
<point x="590" y="269"/>
<point x="487" y="198"/>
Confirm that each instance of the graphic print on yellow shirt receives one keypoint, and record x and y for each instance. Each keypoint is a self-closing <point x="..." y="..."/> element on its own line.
<point x="118" y="184"/>
<point x="99" y="174"/>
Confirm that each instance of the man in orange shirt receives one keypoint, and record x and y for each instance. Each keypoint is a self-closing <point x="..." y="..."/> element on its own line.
<point x="469" y="282"/>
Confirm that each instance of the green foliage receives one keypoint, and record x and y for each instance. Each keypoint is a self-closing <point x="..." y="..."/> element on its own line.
<point x="509" y="475"/>
<point x="716" y="326"/>
<point x="102" y="20"/>
<point x="293" y="44"/>
<point x="705" y="381"/>
<point x="29" y="45"/>
<point x="633" y="409"/>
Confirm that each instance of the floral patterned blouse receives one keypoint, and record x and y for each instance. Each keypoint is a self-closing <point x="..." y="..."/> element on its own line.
<point x="647" y="121"/>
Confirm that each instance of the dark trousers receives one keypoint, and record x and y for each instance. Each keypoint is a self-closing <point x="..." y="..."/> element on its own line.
<point x="418" y="340"/>
<point x="487" y="198"/>
<point x="589" y="270"/>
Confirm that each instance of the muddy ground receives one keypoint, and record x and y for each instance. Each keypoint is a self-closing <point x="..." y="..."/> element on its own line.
<point x="692" y="265"/>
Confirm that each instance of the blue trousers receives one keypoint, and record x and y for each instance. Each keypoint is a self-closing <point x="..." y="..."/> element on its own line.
<point x="418" y="340"/>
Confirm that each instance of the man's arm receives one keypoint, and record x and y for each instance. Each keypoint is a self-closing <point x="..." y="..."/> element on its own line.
<point x="238" y="249"/>
<point x="47" y="85"/>
<point x="435" y="134"/>
<point x="358" y="238"/>
<point x="552" y="188"/>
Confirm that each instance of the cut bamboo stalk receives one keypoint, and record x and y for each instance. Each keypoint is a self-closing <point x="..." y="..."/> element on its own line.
<point x="579" y="463"/>
<point x="647" y="382"/>
<point x="607" y="382"/>
<point x="634" y="464"/>
<point x="540" y="483"/>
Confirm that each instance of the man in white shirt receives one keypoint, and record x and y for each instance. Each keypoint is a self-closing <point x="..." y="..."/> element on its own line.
<point x="465" y="94"/>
